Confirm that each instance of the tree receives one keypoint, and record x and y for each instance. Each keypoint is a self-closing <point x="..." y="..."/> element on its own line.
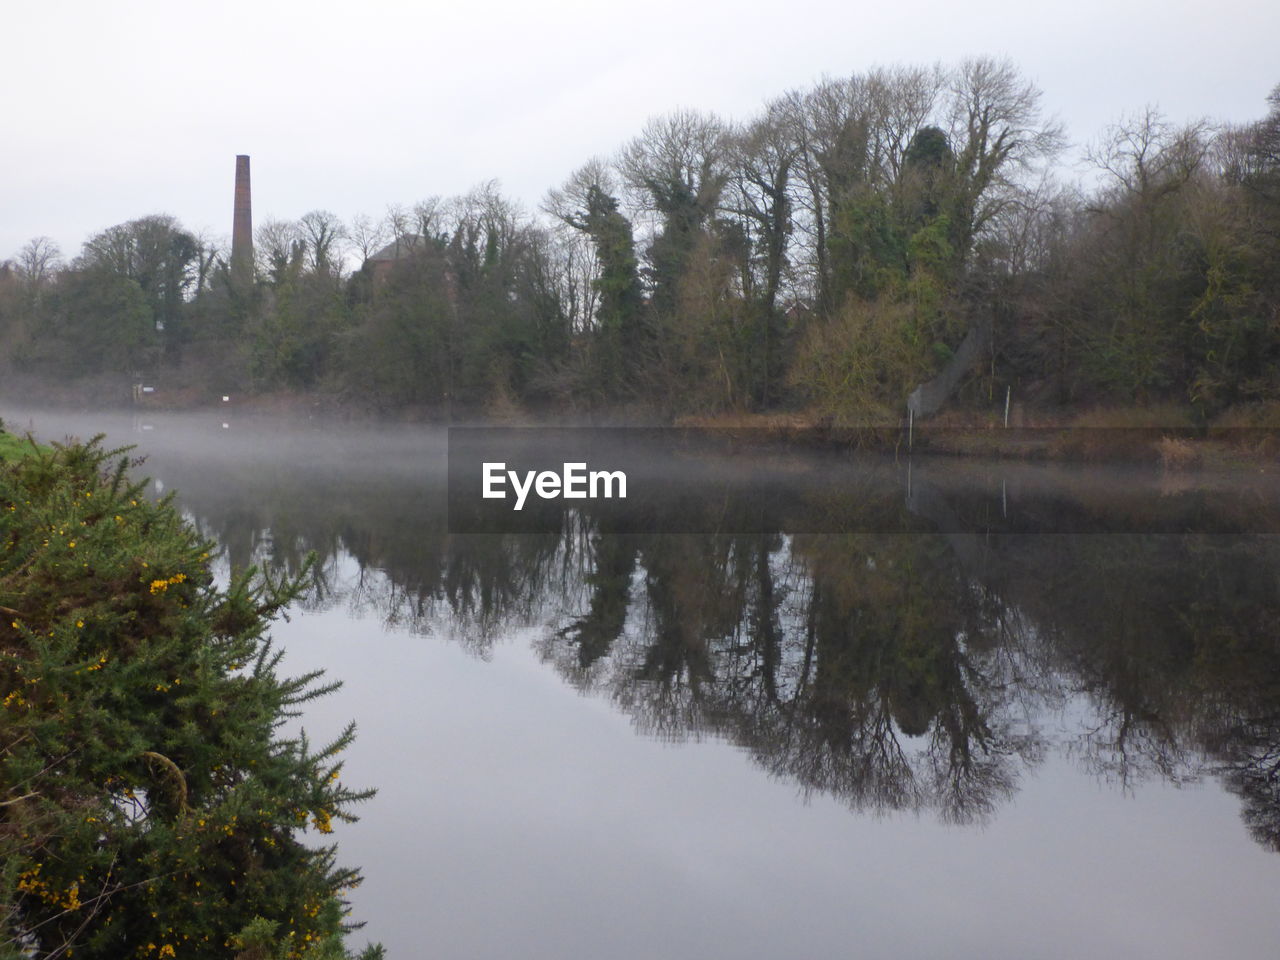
<point x="321" y="232"/>
<point x="587" y="203"/>
<point x="676" y="169"/>
<point x="102" y="322"/>
<point x="280" y="249"/>
<point x="154" y="252"/>
<point x="996" y="127"/>
<point x="764" y="155"/>
<point x="24" y="294"/>
<point x="852" y="135"/>
<point x="1263" y="151"/>
<point x="367" y="235"/>
<point x="208" y="251"/>
<point x="37" y="261"/>
<point x="151" y="805"/>
<point x="397" y="353"/>
<point x="1142" y="273"/>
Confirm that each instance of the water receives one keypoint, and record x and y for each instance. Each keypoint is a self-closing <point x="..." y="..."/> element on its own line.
<point x="972" y="740"/>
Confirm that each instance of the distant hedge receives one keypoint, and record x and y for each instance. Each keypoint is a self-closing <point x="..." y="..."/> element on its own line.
<point x="150" y="805"/>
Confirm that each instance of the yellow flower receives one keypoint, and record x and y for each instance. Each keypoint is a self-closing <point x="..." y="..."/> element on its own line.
<point x="80" y="623"/>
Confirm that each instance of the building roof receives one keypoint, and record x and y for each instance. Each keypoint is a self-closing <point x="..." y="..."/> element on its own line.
<point x="397" y="249"/>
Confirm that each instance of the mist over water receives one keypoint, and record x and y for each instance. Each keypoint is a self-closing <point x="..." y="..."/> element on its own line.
<point x="932" y="712"/>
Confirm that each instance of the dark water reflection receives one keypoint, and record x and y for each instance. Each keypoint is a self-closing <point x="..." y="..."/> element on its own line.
<point x="937" y="673"/>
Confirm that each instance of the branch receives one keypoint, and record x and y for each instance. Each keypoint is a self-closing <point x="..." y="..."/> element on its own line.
<point x="175" y="774"/>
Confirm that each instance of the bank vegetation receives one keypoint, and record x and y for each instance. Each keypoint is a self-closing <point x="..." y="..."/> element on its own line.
<point x="906" y="238"/>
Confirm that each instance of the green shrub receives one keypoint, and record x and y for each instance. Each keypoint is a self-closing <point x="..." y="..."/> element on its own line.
<point x="149" y="804"/>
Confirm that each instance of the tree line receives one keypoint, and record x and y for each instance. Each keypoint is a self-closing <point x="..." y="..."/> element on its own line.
<point x="854" y="240"/>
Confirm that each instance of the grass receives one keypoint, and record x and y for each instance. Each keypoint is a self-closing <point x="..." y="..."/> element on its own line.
<point x="11" y="447"/>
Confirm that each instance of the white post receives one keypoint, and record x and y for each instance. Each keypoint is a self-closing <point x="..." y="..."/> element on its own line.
<point x="1008" y="393"/>
<point x="911" y="423"/>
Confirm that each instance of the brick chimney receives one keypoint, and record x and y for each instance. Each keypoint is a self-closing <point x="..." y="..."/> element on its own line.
<point x="242" y="222"/>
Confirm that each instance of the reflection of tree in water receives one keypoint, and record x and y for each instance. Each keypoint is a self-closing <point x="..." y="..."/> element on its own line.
<point x="880" y="681"/>
<point x="1250" y="754"/>
<point x="1173" y="643"/>
<point x="895" y="672"/>
<point x="403" y="565"/>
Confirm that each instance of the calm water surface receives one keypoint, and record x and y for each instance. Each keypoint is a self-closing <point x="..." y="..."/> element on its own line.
<point x="973" y="740"/>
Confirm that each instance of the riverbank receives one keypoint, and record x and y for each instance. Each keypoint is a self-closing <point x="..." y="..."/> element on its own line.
<point x="1244" y="437"/>
<point x="1176" y="438"/>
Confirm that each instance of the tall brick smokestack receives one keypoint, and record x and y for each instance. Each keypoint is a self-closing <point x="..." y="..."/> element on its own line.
<point x="242" y="223"/>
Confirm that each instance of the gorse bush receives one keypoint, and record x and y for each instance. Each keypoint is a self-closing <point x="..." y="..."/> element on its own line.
<point x="150" y="805"/>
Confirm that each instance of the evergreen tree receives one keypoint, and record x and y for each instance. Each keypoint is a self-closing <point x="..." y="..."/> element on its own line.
<point x="150" y="805"/>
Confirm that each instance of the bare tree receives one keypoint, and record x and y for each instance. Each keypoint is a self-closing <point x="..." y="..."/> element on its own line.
<point x="367" y="235"/>
<point x="208" y="251"/>
<point x="37" y="261"/>
<point x="398" y="222"/>
<point x="763" y="157"/>
<point x="280" y="248"/>
<point x="831" y="127"/>
<point x="902" y="101"/>
<point x="676" y="169"/>
<point x="1147" y="157"/>
<point x="481" y="224"/>
<point x="996" y="128"/>
<point x="322" y="232"/>
<point x="569" y="203"/>
<point x="759" y="197"/>
<point x="428" y="217"/>
<point x="578" y="208"/>
<point x="678" y="161"/>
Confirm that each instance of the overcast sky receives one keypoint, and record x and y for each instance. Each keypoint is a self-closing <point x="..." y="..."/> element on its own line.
<point x="115" y="111"/>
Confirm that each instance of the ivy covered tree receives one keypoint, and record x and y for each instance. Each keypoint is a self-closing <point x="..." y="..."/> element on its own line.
<point x="620" y="333"/>
<point x="151" y="805"/>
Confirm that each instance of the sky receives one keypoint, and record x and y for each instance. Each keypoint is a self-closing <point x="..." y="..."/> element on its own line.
<point x="116" y="111"/>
